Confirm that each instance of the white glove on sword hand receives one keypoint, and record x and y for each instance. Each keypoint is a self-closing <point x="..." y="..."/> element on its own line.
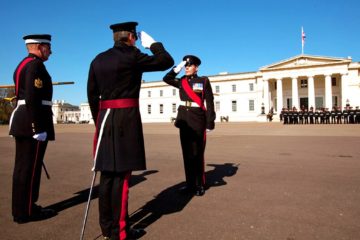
<point x="146" y="39"/>
<point x="40" y="136"/>
<point x="178" y="68"/>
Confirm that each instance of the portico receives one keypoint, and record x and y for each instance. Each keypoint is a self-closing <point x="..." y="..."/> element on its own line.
<point x="305" y="81"/>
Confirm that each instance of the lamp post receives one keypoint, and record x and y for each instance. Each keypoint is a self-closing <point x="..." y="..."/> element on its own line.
<point x="262" y="108"/>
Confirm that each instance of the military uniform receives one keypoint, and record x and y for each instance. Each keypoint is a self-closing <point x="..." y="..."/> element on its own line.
<point x="32" y="115"/>
<point x="114" y="83"/>
<point x="193" y="120"/>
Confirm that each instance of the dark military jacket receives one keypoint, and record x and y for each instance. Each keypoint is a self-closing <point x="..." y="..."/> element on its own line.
<point x="117" y="74"/>
<point x="194" y="117"/>
<point x="34" y="85"/>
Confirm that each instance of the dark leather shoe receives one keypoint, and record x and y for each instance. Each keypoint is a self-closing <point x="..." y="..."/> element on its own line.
<point x="42" y="214"/>
<point x="135" y="233"/>
<point x="21" y="220"/>
<point x="186" y="190"/>
<point x="38" y="213"/>
<point x="200" y="191"/>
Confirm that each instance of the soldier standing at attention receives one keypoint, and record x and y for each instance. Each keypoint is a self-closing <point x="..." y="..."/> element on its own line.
<point x="113" y="92"/>
<point x="311" y="115"/>
<point x="193" y="120"/>
<point x="32" y="126"/>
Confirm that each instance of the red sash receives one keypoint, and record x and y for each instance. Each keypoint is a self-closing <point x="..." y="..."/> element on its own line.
<point x="192" y="94"/>
<point x="119" y="103"/>
<point x="21" y="66"/>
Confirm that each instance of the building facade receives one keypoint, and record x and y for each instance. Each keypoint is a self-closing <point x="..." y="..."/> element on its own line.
<point x="303" y="81"/>
<point x="65" y="113"/>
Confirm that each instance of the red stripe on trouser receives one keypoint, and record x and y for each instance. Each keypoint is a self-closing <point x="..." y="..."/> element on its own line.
<point x="32" y="177"/>
<point x="119" y="103"/>
<point x="124" y="207"/>
<point x="203" y="170"/>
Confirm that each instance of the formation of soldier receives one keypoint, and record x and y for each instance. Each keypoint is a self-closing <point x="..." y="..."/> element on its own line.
<point x="348" y="115"/>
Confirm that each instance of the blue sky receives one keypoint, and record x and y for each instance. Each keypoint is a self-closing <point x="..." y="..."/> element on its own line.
<point x="228" y="35"/>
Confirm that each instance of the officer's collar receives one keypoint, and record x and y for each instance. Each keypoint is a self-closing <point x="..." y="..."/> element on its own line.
<point x="121" y="44"/>
<point x="31" y="55"/>
<point x="192" y="76"/>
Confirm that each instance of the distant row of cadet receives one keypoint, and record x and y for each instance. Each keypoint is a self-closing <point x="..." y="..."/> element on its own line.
<point x="321" y="116"/>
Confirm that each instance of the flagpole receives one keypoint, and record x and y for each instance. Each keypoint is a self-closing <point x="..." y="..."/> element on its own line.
<point x="302" y="40"/>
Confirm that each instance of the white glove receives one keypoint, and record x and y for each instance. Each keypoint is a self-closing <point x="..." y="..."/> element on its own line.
<point x="178" y="68"/>
<point x="40" y="136"/>
<point x="146" y="39"/>
<point x="208" y="130"/>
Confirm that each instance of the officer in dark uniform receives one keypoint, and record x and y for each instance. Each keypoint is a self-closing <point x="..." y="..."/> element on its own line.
<point x="322" y="116"/>
<point x="357" y="115"/>
<point x="295" y="115"/>
<point x="351" y="115"/>
<point x="301" y="116"/>
<point x="32" y="126"/>
<point x="306" y="116"/>
<point x="113" y="92"/>
<point x="193" y="120"/>
<point x="316" y="116"/>
<point x="327" y="116"/>
<point x="333" y="115"/>
<point x="311" y="115"/>
<point x="346" y="114"/>
<point x="286" y="116"/>
<point x="338" y="115"/>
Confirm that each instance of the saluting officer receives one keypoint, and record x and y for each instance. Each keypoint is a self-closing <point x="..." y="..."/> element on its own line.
<point x="32" y="126"/>
<point x="193" y="120"/>
<point x="113" y="92"/>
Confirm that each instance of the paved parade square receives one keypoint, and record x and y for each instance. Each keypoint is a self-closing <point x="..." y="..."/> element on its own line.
<point x="265" y="181"/>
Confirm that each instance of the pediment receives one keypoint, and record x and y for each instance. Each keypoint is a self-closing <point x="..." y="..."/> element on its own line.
<point x="302" y="61"/>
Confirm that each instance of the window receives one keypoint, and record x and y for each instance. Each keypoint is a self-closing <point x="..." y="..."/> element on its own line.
<point x="333" y="81"/>
<point x="251" y="105"/>
<point x="335" y="101"/>
<point x="149" y="108"/>
<point x="161" y="108"/>
<point x="217" y="89"/>
<point x="174" y="92"/>
<point x="161" y="93"/>
<point x="174" y="107"/>
<point x="149" y="93"/>
<point x="251" y="86"/>
<point x="233" y="106"/>
<point x="233" y="88"/>
<point x="217" y="106"/>
<point x="303" y="83"/>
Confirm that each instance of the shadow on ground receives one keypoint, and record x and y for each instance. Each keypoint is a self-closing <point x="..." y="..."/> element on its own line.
<point x="171" y="201"/>
<point x="82" y="196"/>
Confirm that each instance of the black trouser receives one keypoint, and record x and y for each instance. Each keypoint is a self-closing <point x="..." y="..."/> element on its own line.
<point x="193" y="147"/>
<point x="113" y="204"/>
<point x="27" y="175"/>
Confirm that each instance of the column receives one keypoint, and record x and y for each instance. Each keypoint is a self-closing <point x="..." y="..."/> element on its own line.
<point x="328" y="92"/>
<point x="295" y="93"/>
<point x="344" y="95"/>
<point x="279" y="95"/>
<point x="266" y="95"/>
<point x="311" y="92"/>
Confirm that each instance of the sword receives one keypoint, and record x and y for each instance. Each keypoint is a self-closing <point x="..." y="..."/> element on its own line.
<point x="46" y="172"/>
<point x="94" y="176"/>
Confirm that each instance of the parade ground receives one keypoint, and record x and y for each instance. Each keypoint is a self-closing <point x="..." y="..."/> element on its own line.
<point x="265" y="181"/>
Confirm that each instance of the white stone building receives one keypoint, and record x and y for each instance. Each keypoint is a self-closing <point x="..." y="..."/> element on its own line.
<point x="85" y="113"/>
<point x="301" y="81"/>
<point x="64" y="112"/>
